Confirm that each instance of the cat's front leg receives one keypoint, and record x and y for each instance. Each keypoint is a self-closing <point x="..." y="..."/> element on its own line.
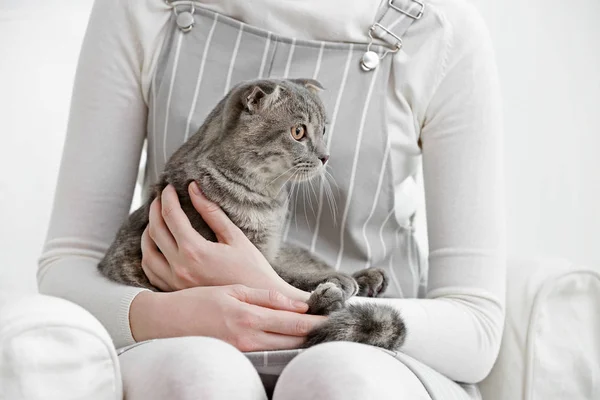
<point x="372" y="282"/>
<point x="328" y="297"/>
<point x="325" y="299"/>
<point x="301" y="270"/>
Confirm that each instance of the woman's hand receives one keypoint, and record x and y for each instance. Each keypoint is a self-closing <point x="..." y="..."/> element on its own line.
<point x="187" y="260"/>
<point x="249" y="319"/>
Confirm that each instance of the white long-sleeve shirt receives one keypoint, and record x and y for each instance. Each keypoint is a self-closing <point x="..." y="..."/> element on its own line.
<point x="453" y="96"/>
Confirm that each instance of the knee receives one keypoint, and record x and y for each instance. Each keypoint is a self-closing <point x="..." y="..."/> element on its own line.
<point x="198" y="356"/>
<point x="343" y="370"/>
<point x="189" y="368"/>
<point x="50" y="345"/>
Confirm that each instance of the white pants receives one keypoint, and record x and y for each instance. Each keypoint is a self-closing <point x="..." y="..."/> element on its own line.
<point x="51" y="349"/>
<point x="205" y="368"/>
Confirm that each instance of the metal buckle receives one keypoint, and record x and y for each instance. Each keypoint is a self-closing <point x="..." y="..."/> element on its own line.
<point x="418" y="16"/>
<point x="175" y="3"/>
<point x="378" y="25"/>
<point x="370" y="60"/>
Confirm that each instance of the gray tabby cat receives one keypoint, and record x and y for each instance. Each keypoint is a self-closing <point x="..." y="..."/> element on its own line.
<point x="261" y="135"/>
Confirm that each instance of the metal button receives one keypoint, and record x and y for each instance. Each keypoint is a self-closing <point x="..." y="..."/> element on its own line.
<point x="185" y="21"/>
<point x="369" y="61"/>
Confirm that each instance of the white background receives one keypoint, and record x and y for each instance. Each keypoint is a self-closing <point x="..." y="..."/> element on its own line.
<point x="548" y="54"/>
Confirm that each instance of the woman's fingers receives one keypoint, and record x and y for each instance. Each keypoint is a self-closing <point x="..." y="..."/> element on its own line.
<point x="154" y="264"/>
<point x="175" y="218"/>
<point x="225" y="230"/>
<point x="158" y="230"/>
<point x="287" y="323"/>
<point x="268" y="298"/>
<point x="270" y="311"/>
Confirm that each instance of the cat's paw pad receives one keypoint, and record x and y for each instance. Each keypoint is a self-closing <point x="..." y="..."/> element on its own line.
<point x="346" y="283"/>
<point x="372" y="282"/>
<point x="326" y="298"/>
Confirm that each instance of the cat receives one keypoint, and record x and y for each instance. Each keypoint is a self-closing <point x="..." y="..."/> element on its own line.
<point x="261" y="135"/>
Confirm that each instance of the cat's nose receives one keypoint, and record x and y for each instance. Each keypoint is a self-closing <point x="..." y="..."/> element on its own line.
<point x="324" y="159"/>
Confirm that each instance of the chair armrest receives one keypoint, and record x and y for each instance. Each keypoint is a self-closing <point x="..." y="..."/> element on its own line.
<point x="53" y="349"/>
<point x="550" y="348"/>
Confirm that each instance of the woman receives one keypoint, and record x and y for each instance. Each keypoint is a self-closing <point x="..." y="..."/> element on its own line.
<point x="152" y="70"/>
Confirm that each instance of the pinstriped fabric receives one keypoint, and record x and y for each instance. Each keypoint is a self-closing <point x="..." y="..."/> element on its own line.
<point x="352" y="178"/>
<point x="381" y="229"/>
<point x="199" y="79"/>
<point x="394" y="277"/>
<point x="198" y="67"/>
<point x="288" y="64"/>
<point x="152" y="133"/>
<point x="319" y="58"/>
<point x="233" y="58"/>
<point x="169" y="95"/>
<point x="265" y="53"/>
<point x="360" y="231"/>
<point x="377" y="192"/>
<point x="336" y="108"/>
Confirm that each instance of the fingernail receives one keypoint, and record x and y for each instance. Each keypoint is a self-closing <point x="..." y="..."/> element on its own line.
<point x="299" y="304"/>
<point x="196" y="188"/>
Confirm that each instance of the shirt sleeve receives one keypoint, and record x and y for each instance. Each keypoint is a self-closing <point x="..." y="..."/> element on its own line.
<point x="457" y="329"/>
<point x="104" y="141"/>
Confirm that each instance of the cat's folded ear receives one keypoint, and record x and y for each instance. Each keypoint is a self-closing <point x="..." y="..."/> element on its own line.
<point x="311" y="84"/>
<point x="258" y="98"/>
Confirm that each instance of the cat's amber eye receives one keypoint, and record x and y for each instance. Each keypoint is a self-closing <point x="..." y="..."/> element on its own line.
<point x="298" y="131"/>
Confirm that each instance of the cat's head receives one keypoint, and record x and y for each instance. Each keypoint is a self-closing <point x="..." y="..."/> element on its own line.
<point x="276" y="129"/>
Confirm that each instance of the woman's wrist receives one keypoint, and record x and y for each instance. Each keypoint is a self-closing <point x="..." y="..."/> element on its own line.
<point x="144" y="315"/>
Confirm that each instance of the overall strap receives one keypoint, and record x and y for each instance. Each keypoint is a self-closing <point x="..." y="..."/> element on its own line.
<point x="390" y="27"/>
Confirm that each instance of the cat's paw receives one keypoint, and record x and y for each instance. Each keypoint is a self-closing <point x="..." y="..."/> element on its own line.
<point x="372" y="282"/>
<point x="346" y="283"/>
<point x="375" y="325"/>
<point x="326" y="298"/>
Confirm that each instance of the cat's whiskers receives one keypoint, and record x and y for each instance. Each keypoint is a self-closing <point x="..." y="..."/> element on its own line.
<point x="329" y="175"/>
<point x="302" y="180"/>
<point x="307" y="180"/>
<point x="330" y="198"/>
<point x="283" y="173"/>
<point x="286" y="181"/>
<point x="312" y="189"/>
<point x="291" y="193"/>
<point x="296" y="204"/>
<point x="304" y="192"/>
<point x="329" y="179"/>
<point x="281" y="188"/>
